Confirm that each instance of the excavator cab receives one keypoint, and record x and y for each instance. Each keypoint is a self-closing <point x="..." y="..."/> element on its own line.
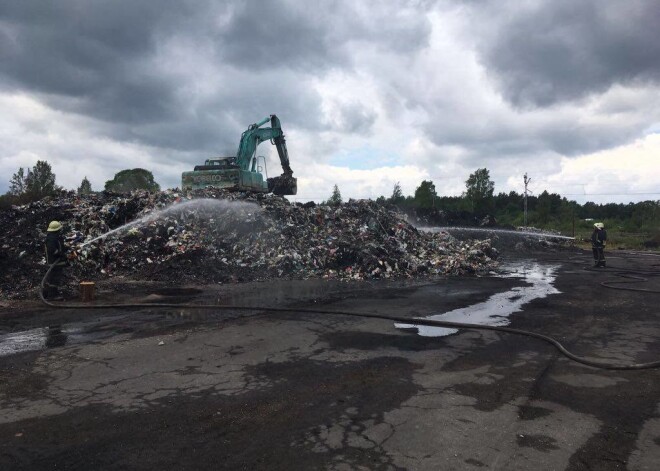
<point x="217" y="164"/>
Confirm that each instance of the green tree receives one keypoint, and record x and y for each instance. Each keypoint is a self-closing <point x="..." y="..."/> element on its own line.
<point x="40" y="181"/>
<point x="17" y="184"/>
<point x="397" y="195"/>
<point x="425" y="195"/>
<point x="644" y="215"/>
<point x="85" y="187"/>
<point x="479" y="191"/>
<point x="133" y="179"/>
<point x="335" y="198"/>
<point x="543" y="209"/>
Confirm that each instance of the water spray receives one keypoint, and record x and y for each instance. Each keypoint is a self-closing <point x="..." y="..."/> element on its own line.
<point x="203" y="203"/>
<point x="496" y="231"/>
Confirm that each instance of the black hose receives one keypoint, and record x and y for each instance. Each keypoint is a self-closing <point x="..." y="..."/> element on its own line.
<point x="633" y="276"/>
<point x="631" y="279"/>
<point x="403" y="320"/>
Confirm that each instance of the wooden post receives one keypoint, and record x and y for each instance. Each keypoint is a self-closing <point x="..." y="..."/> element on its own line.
<point x="87" y="291"/>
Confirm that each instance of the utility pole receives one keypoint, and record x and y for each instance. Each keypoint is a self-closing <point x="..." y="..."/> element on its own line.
<point x="573" y="221"/>
<point x="526" y="180"/>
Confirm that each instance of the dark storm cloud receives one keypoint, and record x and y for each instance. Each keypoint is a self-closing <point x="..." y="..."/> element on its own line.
<point x="322" y="35"/>
<point x="92" y="58"/>
<point x="565" y="50"/>
<point x="101" y="60"/>
<point x="75" y="48"/>
<point x="215" y="125"/>
<point x="111" y="61"/>
<point x="266" y="35"/>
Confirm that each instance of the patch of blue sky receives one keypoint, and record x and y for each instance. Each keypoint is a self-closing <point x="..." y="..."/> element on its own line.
<point x="365" y="158"/>
<point x="652" y="129"/>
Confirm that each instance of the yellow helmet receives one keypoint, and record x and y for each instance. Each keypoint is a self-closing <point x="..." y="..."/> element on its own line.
<point x="599" y="225"/>
<point x="54" y="226"/>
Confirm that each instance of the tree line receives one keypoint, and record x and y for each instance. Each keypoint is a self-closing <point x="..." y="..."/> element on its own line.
<point x="38" y="182"/>
<point x="545" y="211"/>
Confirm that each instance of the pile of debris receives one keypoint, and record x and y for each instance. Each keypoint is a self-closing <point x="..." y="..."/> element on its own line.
<point x="210" y="236"/>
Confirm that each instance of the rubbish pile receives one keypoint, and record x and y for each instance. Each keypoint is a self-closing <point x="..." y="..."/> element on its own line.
<point x="211" y="236"/>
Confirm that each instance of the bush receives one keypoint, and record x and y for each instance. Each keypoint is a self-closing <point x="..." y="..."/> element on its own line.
<point x="133" y="179"/>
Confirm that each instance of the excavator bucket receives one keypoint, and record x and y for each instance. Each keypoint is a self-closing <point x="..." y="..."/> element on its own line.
<point x="283" y="185"/>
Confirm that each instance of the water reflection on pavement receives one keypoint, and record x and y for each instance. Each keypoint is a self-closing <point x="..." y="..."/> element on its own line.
<point x="497" y="308"/>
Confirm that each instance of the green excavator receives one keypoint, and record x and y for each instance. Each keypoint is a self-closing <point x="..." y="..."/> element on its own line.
<point x="244" y="172"/>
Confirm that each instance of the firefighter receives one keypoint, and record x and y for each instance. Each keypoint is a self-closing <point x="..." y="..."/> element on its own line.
<point x="56" y="256"/>
<point x="598" y="240"/>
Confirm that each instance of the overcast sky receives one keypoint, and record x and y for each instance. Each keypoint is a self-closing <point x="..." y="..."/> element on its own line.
<point x="369" y="93"/>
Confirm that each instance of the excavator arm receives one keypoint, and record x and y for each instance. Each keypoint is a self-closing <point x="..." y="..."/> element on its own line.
<point x="285" y="184"/>
<point x="250" y="140"/>
<point x="280" y="144"/>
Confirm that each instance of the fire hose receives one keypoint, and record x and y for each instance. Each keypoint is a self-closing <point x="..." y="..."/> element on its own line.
<point x="632" y="275"/>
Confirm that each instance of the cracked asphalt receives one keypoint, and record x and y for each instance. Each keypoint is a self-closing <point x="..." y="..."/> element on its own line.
<point x="205" y="389"/>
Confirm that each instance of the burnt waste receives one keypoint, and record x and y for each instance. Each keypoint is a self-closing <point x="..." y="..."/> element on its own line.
<point x="211" y="236"/>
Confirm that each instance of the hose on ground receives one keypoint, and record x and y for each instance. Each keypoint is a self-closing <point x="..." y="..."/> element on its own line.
<point x="630" y="279"/>
<point x="403" y="320"/>
<point x="633" y="276"/>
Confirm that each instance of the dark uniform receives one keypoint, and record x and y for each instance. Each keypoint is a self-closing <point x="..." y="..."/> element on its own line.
<point x="598" y="239"/>
<point x="56" y="255"/>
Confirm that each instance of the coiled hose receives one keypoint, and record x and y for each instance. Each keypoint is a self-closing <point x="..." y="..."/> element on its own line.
<point x="405" y="320"/>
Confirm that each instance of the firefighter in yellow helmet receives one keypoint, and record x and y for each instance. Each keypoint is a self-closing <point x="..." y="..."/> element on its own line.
<point x="56" y="256"/>
<point x="598" y="240"/>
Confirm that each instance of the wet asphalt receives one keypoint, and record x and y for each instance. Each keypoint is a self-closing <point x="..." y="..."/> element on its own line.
<point x="207" y="389"/>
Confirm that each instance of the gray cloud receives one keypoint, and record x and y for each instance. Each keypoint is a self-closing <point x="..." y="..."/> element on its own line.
<point x="563" y="50"/>
<point x="355" y="118"/>
<point x="303" y="36"/>
<point x="173" y="82"/>
<point x="191" y="75"/>
<point x="505" y="137"/>
<point x="271" y="35"/>
<point x="215" y="125"/>
<point x="77" y="48"/>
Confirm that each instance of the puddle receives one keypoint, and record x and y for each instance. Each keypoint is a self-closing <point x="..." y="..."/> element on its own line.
<point x="494" y="311"/>
<point x="497" y="309"/>
<point x="41" y="338"/>
<point x="25" y="341"/>
<point x="35" y="339"/>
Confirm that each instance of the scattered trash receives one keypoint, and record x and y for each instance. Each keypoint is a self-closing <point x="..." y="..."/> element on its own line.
<point x="214" y="236"/>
